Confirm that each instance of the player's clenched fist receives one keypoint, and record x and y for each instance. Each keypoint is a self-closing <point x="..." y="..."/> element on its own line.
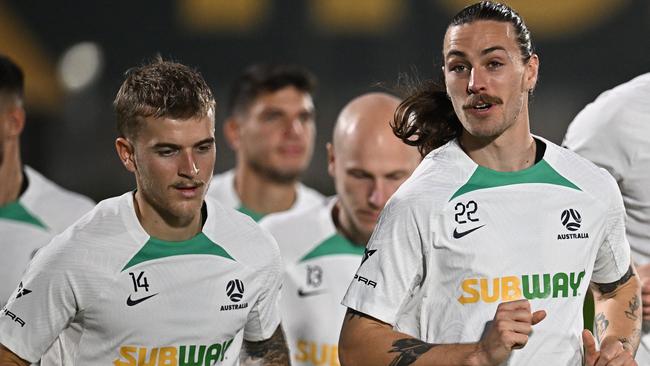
<point x="513" y="322"/>
<point x="611" y="352"/>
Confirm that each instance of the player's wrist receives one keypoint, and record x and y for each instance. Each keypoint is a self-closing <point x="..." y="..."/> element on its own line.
<point x="479" y="356"/>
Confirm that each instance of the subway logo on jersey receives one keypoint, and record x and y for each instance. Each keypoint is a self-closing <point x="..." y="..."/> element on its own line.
<point x="191" y="355"/>
<point x="529" y="286"/>
<point x="314" y="353"/>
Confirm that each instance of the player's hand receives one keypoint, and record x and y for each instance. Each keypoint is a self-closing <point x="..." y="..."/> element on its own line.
<point x="512" y="323"/>
<point x="611" y="352"/>
<point x="644" y="274"/>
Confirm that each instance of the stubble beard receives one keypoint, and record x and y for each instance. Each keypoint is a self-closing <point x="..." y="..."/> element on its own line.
<point x="275" y="175"/>
<point x="173" y="216"/>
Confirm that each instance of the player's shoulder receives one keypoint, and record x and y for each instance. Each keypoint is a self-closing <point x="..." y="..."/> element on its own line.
<point x="222" y="188"/>
<point x="579" y="171"/>
<point x="441" y="173"/>
<point x="57" y="206"/>
<point x="296" y="231"/>
<point x="614" y="109"/>
<point x="97" y="241"/>
<point x="310" y="196"/>
<point x="239" y="235"/>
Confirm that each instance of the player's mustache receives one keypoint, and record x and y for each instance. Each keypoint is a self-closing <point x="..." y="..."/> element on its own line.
<point x="481" y="99"/>
<point x="189" y="184"/>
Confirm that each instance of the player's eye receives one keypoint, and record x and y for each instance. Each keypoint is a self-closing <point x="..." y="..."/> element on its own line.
<point x="458" y="68"/>
<point x="271" y="117"/>
<point x="165" y="152"/>
<point x="494" y="65"/>
<point x="205" y="147"/>
<point x="306" y="117"/>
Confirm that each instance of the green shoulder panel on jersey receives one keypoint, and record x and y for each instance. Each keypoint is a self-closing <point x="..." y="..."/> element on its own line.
<point x="156" y="249"/>
<point x="335" y="244"/>
<point x="541" y="172"/>
<point x="15" y="211"/>
<point x="256" y="216"/>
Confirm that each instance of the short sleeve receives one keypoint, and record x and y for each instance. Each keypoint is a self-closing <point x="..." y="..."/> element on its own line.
<point x="264" y="317"/>
<point x="596" y="135"/>
<point x="391" y="267"/>
<point x="42" y="306"/>
<point x="613" y="258"/>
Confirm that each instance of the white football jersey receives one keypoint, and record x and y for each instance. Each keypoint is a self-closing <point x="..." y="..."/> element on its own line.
<point x="222" y="189"/>
<point x="614" y="133"/>
<point x="457" y="239"/>
<point x="318" y="266"/>
<point x="42" y="211"/>
<point x="140" y="300"/>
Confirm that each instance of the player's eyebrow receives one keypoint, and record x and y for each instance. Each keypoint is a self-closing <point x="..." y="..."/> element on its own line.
<point x="493" y="49"/>
<point x="483" y="52"/>
<point x="209" y="140"/>
<point x="169" y="145"/>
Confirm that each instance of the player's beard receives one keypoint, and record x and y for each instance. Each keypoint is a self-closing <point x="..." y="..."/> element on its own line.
<point x="275" y="175"/>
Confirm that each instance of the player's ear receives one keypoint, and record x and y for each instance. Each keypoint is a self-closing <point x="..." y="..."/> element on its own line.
<point x="15" y="117"/>
<point x="331" y="159"/>
<point x="125" y="150"/>
<point x="532" y="69"/>
<point x="231" y="132"/>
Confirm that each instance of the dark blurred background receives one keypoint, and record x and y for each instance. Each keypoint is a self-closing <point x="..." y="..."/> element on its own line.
<point x="74" y="54"/>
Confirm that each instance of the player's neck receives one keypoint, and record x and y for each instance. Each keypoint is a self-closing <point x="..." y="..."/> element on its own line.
<point x="164" y="227"/>
<point x="511" y="151"/>
<point x="11" y="174"/>
<point x="344" y="226"/>
<point x="261" y="194"/>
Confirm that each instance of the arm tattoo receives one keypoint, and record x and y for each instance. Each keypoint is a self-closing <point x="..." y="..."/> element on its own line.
<point x="634" y="304"/>
<point x="600" y="325"/>
<point x="606" y="288"/>
<point x="410" y="349"/>
<point x="351" y="313"/>
<point x="271" y="352"/>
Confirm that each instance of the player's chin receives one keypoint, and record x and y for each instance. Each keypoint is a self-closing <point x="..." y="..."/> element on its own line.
<point x="186" y="207"/>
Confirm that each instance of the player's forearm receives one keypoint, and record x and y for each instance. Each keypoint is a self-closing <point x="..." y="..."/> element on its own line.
<point x="365" y="341"/>
<point x="618" y="312"/>
<point x="8" y="358"/>
<point x="271" y="352"/>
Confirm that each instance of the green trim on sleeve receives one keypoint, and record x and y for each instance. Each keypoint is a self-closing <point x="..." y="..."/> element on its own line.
<point x="17" y="212"/>
<point x="541" y="172"/>
<point x="156" y="249"/>
<point x="335" y="244"/>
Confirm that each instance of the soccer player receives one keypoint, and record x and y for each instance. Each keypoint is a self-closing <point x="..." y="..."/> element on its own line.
<point x="322" y="246"/>
<point x="157" y="276"/>
<point x="613" y="133"/>
<point x="32" y="208"/>
<point x="271" y="128"/>
<point x="484" y="254"/>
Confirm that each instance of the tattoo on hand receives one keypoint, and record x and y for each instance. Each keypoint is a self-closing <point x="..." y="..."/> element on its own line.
<point x="634" y="305"/>
<point x="271" y="352"/>
<point x="606" y="288"/>
<point x="410" y="349"/>
<point x="601" y="323"/>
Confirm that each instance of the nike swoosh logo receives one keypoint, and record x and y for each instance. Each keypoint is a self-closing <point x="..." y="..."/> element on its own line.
<point x="303" y="293"/>
<point x="460" y="234"/>
<point x="130" y="302"/>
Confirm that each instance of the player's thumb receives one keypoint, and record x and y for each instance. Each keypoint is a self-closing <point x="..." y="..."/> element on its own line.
<point x="591" y="355"/>
<point x="538" y="316"/>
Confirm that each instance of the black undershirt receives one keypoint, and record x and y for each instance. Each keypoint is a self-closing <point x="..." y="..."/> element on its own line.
<point x="540" y="149"/>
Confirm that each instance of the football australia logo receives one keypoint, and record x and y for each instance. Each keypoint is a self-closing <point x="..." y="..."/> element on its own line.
<point x="571" y="220"/>
<point x="235" y="292"/>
